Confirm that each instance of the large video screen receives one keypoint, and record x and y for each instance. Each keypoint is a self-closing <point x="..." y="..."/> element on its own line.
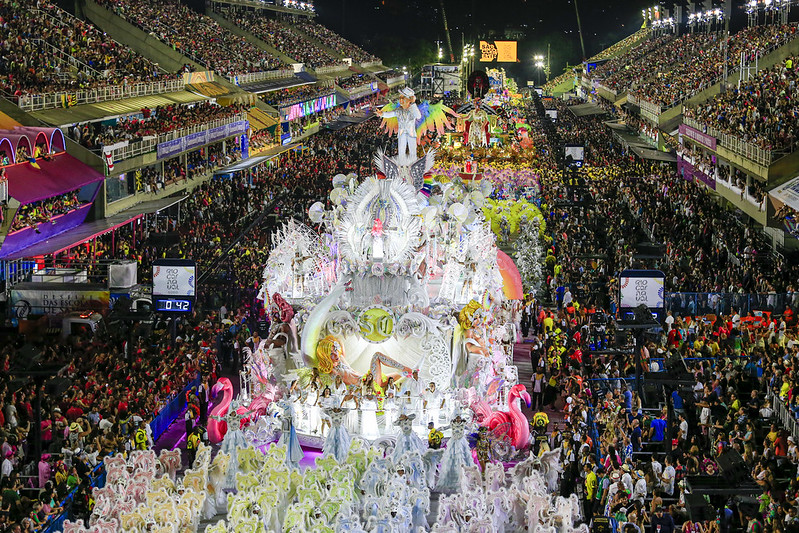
<point x="637" y="287"/>
<point x="499" y="51"/>
<point x="174" y="277"/>
<point x="303" y="109"/>
<point x="576" y="152"/>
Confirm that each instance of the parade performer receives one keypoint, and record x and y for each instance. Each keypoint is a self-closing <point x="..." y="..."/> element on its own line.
<point x="337" y="443"/>
<point x="234" y="439"/>
<point x="457" y="455"/>
<point x="282" y="340"/>
<point x="477" y="127"/>
<point x="288" y="437"/>
<point x="407" y="440"/>
<point x="411" y="122"/>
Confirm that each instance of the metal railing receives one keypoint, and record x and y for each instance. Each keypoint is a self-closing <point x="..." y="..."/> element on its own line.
<point x="148" y="145"/>
<point x="786" y="417"/>
<point x="63" y="99"/>
<point x="254" y="77"/>
<point x="331" y="69"/>
<point x="735" y="144"/>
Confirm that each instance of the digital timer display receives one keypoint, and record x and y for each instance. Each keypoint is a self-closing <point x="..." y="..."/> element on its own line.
<point x="173" y="304"/>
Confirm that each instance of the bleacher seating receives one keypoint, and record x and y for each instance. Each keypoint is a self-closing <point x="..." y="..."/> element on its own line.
<point x="196" y="36"/>
<point x="70" y="53"/>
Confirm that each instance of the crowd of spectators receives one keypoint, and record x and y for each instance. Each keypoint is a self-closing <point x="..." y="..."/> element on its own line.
<point x="334" y="41"/>
<point x="652" y="58"/>
<point x="196" y="36"/>
<point x="35" y="213"/>
<point x="627" y="458"/>
<point x="70" y="54"/>
<point x="284" y="38"/>
<point x="761" y="111"/>
<point x="112" y="390"/>
<point x="352" y="81"/>
<point x="391" y="73"/>
<point x="294" y="95"/>
<point x="150" y="123"/>
<point x="706" y="67"/>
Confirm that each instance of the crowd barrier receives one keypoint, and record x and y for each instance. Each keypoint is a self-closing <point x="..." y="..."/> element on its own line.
<point x="171" y="410"/>
<point x="722" y="303"/>
<point x="39" y="102"/>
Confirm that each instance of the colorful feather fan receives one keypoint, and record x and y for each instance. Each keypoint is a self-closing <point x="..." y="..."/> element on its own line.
<point x="434" y="118"/>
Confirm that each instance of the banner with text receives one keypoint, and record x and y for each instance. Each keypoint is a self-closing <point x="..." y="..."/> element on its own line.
<point x="697" y="136"/>
<point x="193" y="141"/>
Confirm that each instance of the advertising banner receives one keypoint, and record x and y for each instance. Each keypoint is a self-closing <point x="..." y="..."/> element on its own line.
<point x="168" y="149"/>
<point x="57" y="298"/>
<point x="217" y="134"/>
<point x="695" y="135"/>
<point x="196" y="140"/>
<point x="499" y="51"/>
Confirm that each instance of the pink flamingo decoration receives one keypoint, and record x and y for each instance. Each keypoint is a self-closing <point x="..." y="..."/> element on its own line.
<point x="217" y="427"/>
<point x="512" y="424"/>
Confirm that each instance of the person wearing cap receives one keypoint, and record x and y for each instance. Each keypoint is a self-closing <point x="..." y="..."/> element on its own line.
<point x="626" y="477"/>
<point x="406" y="114"/>
<point x="662" y="522"/>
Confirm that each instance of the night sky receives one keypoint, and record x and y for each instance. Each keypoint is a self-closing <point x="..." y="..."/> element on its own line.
<point x="379" y="26"/>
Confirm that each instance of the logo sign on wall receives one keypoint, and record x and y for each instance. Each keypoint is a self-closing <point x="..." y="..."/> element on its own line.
<point x="499" y="51"/>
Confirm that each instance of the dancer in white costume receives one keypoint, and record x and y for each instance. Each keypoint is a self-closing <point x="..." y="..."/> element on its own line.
<point x="233" y="439"/>
<point x="407" y="440"/>
<point x="407" y="114"/>
<point x="288" y="436"/>
<point x="457" y="455"/>
<point x="337" y="443"/>
<point x="369" y="429"/>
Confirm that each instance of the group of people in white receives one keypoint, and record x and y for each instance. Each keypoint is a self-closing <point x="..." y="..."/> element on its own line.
<point x="370" y="414"/>
<point x="395" y="485"/>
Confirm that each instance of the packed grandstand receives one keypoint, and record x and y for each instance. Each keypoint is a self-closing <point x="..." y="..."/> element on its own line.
<point x="553" y="390"/>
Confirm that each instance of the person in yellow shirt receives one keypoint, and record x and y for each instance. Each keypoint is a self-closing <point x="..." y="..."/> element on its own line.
<point x="549" y="323"/>
<point x="590" y="484"/>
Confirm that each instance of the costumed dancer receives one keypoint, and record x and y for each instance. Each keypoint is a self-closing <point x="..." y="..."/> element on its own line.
<point x="407" y="440"/>
<point x="369" y="428"/>
<point x="282" y="340"/>
<point x="457" y="455"/>
<point x="338" y="439"/>
<point x="406" y="114"/>
<point x="233" y="440"/>
<point x="288" y="436"/>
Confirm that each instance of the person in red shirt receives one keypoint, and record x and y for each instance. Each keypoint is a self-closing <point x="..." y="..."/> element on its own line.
<point x="781" y="445"/>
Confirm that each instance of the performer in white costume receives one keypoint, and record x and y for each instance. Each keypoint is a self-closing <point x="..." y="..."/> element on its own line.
<point x="407" y="115"/>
